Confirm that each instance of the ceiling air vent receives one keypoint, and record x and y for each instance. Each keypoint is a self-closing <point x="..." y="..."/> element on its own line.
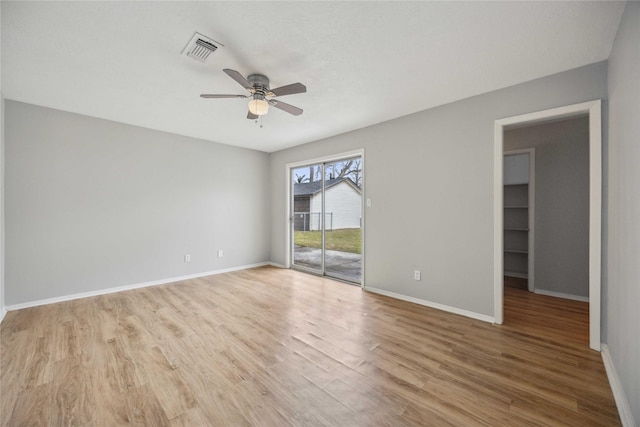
<point x="200" y="47"/>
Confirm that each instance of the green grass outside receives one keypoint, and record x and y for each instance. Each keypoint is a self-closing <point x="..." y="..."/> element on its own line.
<point x="345" y="240"/>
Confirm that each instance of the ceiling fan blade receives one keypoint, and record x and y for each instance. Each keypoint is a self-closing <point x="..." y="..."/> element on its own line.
<point x="209" y="95"/>
<point x="286" y="107"/>
<point x="289" y="89"/>
<point x="251" y="116"/>
<point x="239" y="78"/>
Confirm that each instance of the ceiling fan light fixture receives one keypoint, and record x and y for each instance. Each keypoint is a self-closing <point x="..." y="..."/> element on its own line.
<point x="259" y="107"/>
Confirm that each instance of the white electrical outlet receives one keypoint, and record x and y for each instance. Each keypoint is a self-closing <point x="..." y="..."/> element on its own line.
<point x="187" y="258"/>
<point x="368" y="203"/>
<point x="416" y="274"/>
<point x="220" y="253"/>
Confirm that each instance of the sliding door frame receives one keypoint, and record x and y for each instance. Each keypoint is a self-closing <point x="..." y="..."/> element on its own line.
<point x="289" y="197"/>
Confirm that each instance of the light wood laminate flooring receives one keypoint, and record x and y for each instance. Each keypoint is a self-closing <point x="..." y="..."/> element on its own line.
<point x="273" y="347"/>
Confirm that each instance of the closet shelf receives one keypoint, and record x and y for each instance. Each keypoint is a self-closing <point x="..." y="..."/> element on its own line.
<point x="516" y="251"/>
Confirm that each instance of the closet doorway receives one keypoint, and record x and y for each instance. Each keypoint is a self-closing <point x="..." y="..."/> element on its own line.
<point x="326" y="217"/>
<point x="593" y="111"/>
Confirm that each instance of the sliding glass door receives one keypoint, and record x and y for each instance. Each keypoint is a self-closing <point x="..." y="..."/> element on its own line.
<point x="326" y="221"/>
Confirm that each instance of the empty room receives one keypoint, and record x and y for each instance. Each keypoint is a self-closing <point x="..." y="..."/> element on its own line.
<point x="321" y="213"/>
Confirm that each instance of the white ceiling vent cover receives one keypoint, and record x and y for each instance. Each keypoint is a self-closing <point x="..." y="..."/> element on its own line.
<point x="200" y="47"/>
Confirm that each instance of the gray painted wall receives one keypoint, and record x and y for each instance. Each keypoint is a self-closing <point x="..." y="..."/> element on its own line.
<point x="2" y="303"/>
<point x="2" y="234"/>
<point x="93" y="204"/>
<point x="623" y="242"/>
<point x="430" y="178"/>
<point x="561" y="260"/>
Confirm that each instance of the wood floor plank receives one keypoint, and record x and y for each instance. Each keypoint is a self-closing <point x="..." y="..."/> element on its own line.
<point x="274" y="347"/>
<point x="75" y="401"/>
<point x="193" y="417"/>
<point x="166" y="381"/>
<point x="31" y="407"/>
<point x="144" y="409"/>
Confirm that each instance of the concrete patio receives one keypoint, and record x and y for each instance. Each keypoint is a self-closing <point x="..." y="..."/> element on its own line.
<point x="346" y="265"/>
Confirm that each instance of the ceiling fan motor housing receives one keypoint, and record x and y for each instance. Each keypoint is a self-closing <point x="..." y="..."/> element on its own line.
<point x="259" y="82"/>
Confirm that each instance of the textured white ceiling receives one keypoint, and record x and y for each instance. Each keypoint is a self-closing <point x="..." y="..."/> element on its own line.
<point x="362" y="62"/>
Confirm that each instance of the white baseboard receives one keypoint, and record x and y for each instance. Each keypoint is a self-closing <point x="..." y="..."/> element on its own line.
<point x="560" y="295"/>
<point x="275" y="264"/>
<point x="3" y="311"/>
<point x="426" y="303"/>
<point x="624" y="409"/>
<point x="128" y="287"/>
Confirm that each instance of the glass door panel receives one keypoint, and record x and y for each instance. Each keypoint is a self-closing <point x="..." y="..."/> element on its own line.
<point x="343" y="219"/>
<point x="306" y="220"/>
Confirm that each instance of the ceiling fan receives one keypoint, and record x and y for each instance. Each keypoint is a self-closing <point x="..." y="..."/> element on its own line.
<point x="261" y="95"/>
